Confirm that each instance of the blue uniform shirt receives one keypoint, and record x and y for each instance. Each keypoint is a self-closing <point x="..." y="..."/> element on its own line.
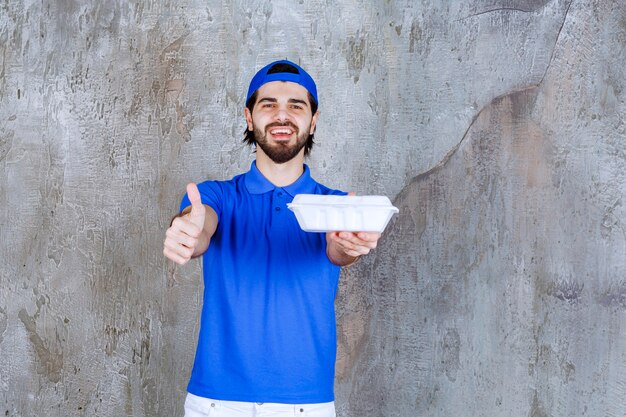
<point x="267" y="330"/>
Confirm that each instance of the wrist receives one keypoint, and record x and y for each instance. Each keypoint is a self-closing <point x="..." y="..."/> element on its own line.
<point x="351" y="260"/>
<point x="338" y="257"/>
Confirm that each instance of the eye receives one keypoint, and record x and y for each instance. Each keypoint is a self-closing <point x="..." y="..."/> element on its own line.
<point x="296" y="107"/>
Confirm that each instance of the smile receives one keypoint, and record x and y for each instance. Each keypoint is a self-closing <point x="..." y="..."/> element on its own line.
<point x="281" y="131"/>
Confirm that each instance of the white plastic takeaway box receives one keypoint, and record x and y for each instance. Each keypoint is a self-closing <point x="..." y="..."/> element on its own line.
<point x="325" y="213"/>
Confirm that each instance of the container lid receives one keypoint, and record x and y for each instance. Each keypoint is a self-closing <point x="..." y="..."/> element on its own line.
<point x="341" y="200"/>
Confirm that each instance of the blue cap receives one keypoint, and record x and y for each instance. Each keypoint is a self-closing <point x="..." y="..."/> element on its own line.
<point x="302" y="78"/>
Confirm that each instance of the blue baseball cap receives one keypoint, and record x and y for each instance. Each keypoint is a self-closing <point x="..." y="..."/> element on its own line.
<point x="302" y="78"/>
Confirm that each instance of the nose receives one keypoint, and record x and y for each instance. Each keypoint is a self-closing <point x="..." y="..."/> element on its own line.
<point x="282" y="115"/>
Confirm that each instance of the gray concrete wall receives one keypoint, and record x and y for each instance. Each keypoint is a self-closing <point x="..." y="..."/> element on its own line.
<point x="496" y="126"/>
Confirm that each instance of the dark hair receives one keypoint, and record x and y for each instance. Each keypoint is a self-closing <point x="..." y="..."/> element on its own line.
<point x="278" y="68"/>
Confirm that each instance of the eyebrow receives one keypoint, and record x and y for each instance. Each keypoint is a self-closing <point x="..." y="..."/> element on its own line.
<point x="291" y="100"/>
<point x="296" y="101"/>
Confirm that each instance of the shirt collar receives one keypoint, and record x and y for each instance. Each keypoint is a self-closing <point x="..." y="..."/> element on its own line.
<point x="256" y="183"/>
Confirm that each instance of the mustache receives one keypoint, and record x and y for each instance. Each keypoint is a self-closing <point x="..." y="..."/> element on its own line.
<point x="283" y="124"/>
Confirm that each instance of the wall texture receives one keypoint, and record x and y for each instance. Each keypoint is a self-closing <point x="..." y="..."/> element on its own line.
<point x="497" y="126"/>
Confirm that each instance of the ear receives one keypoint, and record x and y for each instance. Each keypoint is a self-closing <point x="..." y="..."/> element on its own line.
<point x="314" y="122"/>
<point x="249" y="119"/>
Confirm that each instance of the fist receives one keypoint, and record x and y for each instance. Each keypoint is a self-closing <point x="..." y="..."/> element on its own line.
<point x="182" y="237"/>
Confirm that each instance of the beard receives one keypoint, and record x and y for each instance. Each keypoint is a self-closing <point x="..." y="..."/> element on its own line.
<point x="281" y="152"/>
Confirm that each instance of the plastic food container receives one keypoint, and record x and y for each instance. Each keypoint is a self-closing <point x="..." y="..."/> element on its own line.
<point x="326" y="213"/>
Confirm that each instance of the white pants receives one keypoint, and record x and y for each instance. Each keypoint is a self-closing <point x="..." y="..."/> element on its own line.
<point x="205" y="407"/>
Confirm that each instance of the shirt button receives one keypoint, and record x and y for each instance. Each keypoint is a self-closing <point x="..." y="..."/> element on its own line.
<point x="280" y="194"/>
<point x="277" y="208"/>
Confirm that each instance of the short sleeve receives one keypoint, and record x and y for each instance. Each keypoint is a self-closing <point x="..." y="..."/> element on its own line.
<point x="337" y="192"/>
<point x="321" y="189"/>
<point x="211" y="194"/>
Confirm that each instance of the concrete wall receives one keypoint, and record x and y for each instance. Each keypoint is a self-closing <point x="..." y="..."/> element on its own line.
<point x="498" y="127"/>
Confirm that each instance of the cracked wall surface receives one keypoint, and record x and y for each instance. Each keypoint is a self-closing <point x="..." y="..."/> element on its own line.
<point x="500" y="288"/>
<point x="497" y="127"/>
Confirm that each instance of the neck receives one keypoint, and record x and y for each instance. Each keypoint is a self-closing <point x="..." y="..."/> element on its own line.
<point x="280" y="175"/>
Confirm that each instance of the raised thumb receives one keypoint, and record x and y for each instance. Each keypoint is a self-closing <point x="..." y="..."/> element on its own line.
<point x="197" y="209"/>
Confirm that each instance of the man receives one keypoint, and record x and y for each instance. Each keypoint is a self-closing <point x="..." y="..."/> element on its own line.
<point x="267" y="339"/>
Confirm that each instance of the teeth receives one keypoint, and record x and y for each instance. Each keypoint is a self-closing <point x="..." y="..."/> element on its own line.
<point x="281" y="132"/>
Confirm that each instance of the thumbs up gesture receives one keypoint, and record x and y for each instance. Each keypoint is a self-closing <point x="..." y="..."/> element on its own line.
<point x="186" y="237"/>
<point x="198" y="211"/>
